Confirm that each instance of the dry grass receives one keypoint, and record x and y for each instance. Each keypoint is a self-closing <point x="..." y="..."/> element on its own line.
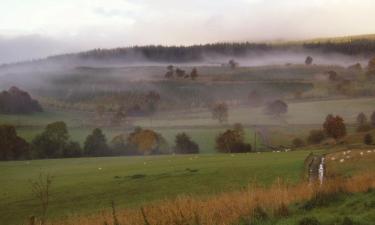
<point x="229" y="208"/>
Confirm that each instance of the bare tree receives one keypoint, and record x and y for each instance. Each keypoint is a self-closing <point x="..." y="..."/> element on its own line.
<point x="41" y="190"/>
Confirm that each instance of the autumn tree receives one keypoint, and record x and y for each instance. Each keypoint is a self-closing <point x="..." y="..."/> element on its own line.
<point x="334" y="127"/>
<point x="12" y="147"/>
<point x="220" y="112"/>
<point x="184" y="145"/>
<point x="276" y="108"/>
<point x="96" y="144"/>
<point x="146" y="142"/>
<point x="308" y="60"/>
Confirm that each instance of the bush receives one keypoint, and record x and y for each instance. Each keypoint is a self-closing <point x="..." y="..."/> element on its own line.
<point x="315" y="136"/>
<point x="298" y="142"/>
<point x="184" y="145"/>
<point x="368" y="139"/>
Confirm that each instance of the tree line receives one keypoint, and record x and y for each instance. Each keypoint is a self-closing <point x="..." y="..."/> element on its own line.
<point x="159" y="53"/>
<point x="55" y="142"/>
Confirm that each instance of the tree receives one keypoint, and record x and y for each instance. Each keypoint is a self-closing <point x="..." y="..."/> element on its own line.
<point x="51" y="143"/>
<point x="277" y="108"/>
<point x="152" y="101"/>
<point x="184" y="145"/>
<point x="232" y="64"/>
<point x="308" y="60"/>
<point x="367" y="139"/>
<point x="315" y="136"/>
<point x="96" y="144"/>
<point x="220" y="112"/>
<point x="334" y="127"/>
<point x="362" y="124"/>
<point x="16" y="101"/>
<point x="12" y="147"/>
<point x="147" y="142"/>
<point x="232" y="141"/>
<point x="194" y="73"/>
<point x="118" y="146"/>
<point x="333" y="76"/>
<point x="361" y="119"/>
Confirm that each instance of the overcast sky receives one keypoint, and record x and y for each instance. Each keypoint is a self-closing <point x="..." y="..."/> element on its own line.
<point x="37" y="28"/>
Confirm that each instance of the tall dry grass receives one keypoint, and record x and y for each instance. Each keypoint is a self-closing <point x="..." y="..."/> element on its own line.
<point x="228" y="208"/>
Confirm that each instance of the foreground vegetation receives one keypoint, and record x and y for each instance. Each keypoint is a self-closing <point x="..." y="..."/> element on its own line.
<point x="86" y="185"/>
<point x="254" y="205"/>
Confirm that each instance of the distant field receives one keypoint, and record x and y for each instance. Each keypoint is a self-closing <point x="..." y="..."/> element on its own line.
<point x="79" y="185"/>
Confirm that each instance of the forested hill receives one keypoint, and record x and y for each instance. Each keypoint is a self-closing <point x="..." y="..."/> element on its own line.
<point x="351" y="46"/>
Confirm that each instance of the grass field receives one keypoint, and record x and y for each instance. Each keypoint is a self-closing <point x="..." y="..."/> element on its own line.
<point x="89" y="184"/>
<point x="300" y="119"/>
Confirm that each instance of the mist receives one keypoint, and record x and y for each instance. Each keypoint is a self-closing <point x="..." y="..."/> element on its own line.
<point x="43" y="28"/>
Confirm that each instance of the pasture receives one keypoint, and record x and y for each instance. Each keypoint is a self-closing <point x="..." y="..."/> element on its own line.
<point x="87" y="185"/>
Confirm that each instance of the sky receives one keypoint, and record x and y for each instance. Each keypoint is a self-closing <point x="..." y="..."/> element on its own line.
<point x="32" y="29"/>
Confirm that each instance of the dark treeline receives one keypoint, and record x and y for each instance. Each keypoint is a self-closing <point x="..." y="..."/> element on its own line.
<point x="198" y="52"/>
<point x="174" y="54"/>
<point x="353" y="47"/>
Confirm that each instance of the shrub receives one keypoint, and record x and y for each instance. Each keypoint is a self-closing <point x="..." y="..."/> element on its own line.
<point x="315" y="137"/>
